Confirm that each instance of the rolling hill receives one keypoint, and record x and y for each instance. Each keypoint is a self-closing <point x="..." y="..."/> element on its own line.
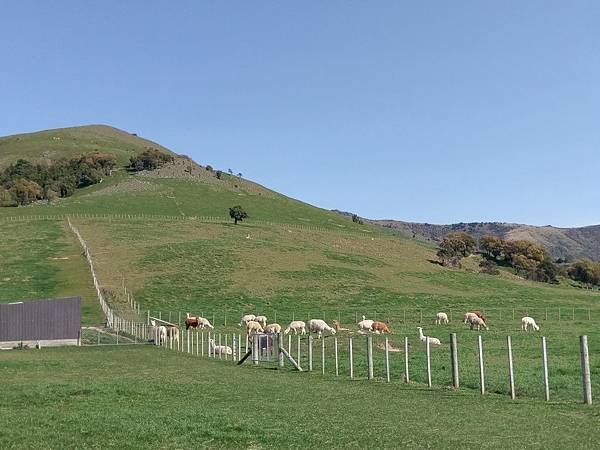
<point x="49" y="145"/>
<point x="565" y="243"/>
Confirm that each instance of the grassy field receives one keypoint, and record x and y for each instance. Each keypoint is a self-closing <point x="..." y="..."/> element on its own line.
<point x="140" y="397"/>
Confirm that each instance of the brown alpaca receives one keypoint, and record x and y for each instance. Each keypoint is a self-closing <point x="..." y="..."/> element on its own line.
<point x="380" y="327"/>
<point x="338" y="327"/>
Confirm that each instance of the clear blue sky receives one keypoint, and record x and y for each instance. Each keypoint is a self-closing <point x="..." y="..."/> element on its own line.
<point x="428" y="111"/>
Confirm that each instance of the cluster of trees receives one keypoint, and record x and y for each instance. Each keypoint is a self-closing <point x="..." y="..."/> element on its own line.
<point x="23" y="182"/>
<point x="585" y="271"/>
<point x="527" y="258"/>
<point x="149" y="159"/>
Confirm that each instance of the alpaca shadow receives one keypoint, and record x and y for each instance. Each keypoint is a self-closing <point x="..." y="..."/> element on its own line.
<point x="435" y="261"/>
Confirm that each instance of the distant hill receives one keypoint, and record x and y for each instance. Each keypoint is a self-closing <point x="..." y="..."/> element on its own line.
<point x="567" y="243"/>
<point x="49" y="145"/>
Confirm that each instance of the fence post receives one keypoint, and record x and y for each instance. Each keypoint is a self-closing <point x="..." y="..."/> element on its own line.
<point x="406" y="376"/>
<point x="585" y="370"/>
<point x="310" y="353"/>
<point x="298" y="350"/>
<point x="428" y="353"/>
<point x="350" y="358"/>
<point x="387" y="360"/>
<point x="370" y="357"/>
<point x="454" y="361"/>
<point x="225" y="346"/>
<point x="545" y="366"/>
<point x="323" y="356"/>
<point x="202" y="344"/>
<point x="220" y="352"/>
<point x="290" y="344"/>
<point x="511" y="373"/>
<point x="481" y="370"/>
<point x="335" y="343"/>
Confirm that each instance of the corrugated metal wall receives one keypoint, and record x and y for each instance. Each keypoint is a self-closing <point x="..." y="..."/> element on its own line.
<point x="41" y="319"/>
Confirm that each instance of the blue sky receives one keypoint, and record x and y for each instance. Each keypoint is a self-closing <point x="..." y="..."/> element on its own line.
<point x="428" y="111"/>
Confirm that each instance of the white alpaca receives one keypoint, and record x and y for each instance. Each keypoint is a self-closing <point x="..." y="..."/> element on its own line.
<point x="433" y="342"/>
<point x="262" y="320"/>
<point x="273" y="328"/>
<point x="318" y="326"/>
<point x="529" y="322"/>
<point x="468" y="315"/>
<point x="475" y="321"/>
<point x="220" y="349"/>
<point x="440" y="318"/>
<point x="365" y="325"/>
<point x="254" y="327"/>
<point x="297" y="326"/>
<point x="204" y="323"/>
<point x="247" y="318"/>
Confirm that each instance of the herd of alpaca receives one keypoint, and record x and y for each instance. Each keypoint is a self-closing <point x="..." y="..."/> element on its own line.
<point x="259" y="324"/>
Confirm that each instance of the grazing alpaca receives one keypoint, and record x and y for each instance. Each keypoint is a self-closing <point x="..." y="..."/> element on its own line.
<point x="440" y="318"/>
<point x="318" y="326"/>
<point x="433" y="342"/>
<point x="247" y="318"/>
<point x="379" y="328"/>
<point x="338" y="326"/>
<point x="273" y="328"/>
<point x="254" y="327"/>
<point x="475" y="321"/>
<point x="529" y="322"/>
<point x="262" y="320"/>
<point x="480" y="315"/>
<point x="296" y="326"/>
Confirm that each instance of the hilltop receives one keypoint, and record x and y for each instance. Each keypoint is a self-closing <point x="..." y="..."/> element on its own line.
<point x="49" y="145"/>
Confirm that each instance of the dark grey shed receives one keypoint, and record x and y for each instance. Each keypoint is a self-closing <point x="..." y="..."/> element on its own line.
<point x="41" y="320"/>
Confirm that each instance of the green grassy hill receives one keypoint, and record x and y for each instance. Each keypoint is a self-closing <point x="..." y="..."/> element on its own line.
<point x="66" y="142"/>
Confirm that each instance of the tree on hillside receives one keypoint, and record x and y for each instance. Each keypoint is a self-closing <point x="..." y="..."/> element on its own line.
<point x="239" y="175"/>
<point x="489" y="267"/>
<point x="492" y="247"/>
<point x="149" y="159"/>
<point x="356" y="219"/>
<point x="585" y="271"/>
<point x="237" y="214"/>
<point x="454" y="247"/>
<point x="218" y="174"/>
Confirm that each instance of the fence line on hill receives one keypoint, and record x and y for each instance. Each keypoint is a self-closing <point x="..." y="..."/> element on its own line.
<point x="203" y="219"/>
<point x="129" y="328"/>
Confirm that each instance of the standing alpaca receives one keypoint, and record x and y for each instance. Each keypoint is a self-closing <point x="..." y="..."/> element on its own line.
<point x="440" y="318"/>
<point x="297" y="326"/>
<point x="529" y="322"/>
<point x="475" y="321"/>
<point x="365" y="324"/>
<point x="380" y="328"/>
<point x="433" y="342"/>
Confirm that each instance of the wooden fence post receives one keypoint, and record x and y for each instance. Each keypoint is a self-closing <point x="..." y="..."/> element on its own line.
<point x="481" y="369"/>
<point x="428" y="354"/>
<point x="545" y="367"/>
<point x="335" y="344"/>
<point x="323" y="356"/>
<point x="585" y="370"/>
<point x="310" y="353"/>
<point x="202" y="344"/>
<point x="406" y="376"/>
<point x="350" y="359"/>
<point x="511" y="373"/>
<point x="298" y="350"/>
<point x="454" y="360"/>
<point x="370" y="357"/>
<point x="387" y="360"/>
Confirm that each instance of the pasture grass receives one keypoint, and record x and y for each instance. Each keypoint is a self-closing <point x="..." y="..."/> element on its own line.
<point x="142" y="396"/>
<point x="42" y="259"/>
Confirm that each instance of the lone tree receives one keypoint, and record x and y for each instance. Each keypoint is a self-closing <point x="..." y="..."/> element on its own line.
<point x="237" y="214"/>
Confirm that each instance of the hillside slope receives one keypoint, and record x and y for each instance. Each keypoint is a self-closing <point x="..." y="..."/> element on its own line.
<point x="566" y="243"/>
<point x="167" y="236"/>
<point x="48" y="145"/>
